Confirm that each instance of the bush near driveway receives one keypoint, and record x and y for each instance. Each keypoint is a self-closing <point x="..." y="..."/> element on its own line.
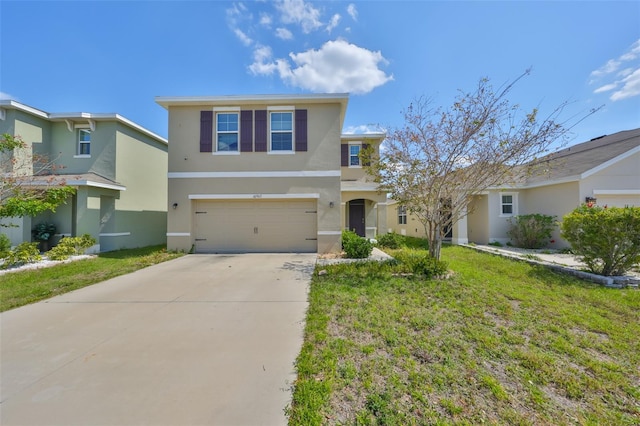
<point x="500" y="342"/>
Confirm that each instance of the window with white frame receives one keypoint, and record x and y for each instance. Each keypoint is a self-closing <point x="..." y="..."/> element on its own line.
<point x="227" y="135"/>
<point x="281" y="127"/>
<point x="507" y="204"/>
<point x="84" y="142"/>
<point x="354" y="154"/>
<point x="402" y="215"/>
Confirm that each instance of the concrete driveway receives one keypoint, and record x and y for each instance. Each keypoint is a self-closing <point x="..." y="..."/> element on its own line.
<point x="200" y="340"/>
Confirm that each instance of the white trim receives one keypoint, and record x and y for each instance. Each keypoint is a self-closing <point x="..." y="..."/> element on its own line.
<point x="616" y="192"/>
<point x="358" y="144"/>
<point x="610" y="162"/>
<point x="281" y="108"/>
<point x="72" y="182"/>
<point x="366" y="188"/>
<point x="3" y="114"/>
<point x="253" y="196"/>
<point x="371" y="227"/>
<point x="97" y="185"/>
<point x="265" y="174"/>
<point x="82" y="156"/>
<point x="114" y="234"/>
<point x="63" y="235"/>
<point x="329" y="232"/>
<point x="226" y="109"/>
<point x="226" y="152"/>
<point x="178" y="234"/>
<point x="281" y="152"/>
<point x="167" y="101"/>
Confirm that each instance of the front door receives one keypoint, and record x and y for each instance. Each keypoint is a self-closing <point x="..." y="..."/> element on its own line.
<point x="356" y="217"/>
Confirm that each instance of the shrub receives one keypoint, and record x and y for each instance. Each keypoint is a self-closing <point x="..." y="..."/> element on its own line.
<point x="71" y="246"/>
<point x="44" y="231"/>
<point x="419" y="262"/>
<point x="5" y="246"/>
<point x="355" y="246"/>
<point x="606" y="239"/>
<point x="391" y="240"/>
<point x="25" y="252"/>
<point x="531" y="231"/>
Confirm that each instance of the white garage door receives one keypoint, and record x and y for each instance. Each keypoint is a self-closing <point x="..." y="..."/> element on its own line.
<point x="618" y="200"/>
<point x="256" y="226"/>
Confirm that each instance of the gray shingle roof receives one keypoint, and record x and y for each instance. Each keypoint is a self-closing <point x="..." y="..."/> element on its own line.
<point x="578" y="159"/>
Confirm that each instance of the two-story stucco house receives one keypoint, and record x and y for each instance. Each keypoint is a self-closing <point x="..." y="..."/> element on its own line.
<point x="265" y="173"/>
<point x="118" y="168"/>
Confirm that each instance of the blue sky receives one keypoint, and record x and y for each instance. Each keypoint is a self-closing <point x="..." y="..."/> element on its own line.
<point x="116" y="56"/>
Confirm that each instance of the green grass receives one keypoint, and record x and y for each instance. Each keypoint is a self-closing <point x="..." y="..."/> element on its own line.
<point x="499" y="342"/>
<point x="28" y="286"/>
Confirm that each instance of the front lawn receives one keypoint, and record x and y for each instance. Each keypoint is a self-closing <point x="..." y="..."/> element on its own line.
<point x="499" y="342"/>
<point x="28" y="286"/>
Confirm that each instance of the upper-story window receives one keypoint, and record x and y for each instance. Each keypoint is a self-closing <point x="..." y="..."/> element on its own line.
<point x="354" y="154"/>
<point x="227" y="132"/>
<point x="508" y="204"/>
<point x="84" y="142"/>
<point x="402" y="215"/>
<point x="281" y="125"/>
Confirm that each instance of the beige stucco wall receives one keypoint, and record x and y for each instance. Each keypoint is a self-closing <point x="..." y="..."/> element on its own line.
<point x="617" y="185"/>
<point x="413" y="227"/>
<point x="553" y="200"/>
<point x="478" y="219"/>
<point x="322" y="156"/>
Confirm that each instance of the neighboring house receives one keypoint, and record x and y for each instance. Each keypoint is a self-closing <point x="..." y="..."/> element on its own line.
<point x="604" y="170"/>
<point x="265" y="173"/>
<point x="118" y="168"/>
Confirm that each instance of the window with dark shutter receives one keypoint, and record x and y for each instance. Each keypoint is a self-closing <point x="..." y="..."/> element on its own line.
<point x="301" y="130"/>
<point x="344" y="155"/>
<point x="206" y="131"/>
<point x="261" y="130"/>
<point x="246" y="131"/>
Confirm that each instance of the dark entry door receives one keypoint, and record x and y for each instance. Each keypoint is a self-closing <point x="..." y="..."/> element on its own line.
<point x="356" y="217"/>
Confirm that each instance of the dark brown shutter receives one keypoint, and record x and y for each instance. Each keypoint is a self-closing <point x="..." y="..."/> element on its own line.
<point x="344" y="155"/>
<point x="365" y="146"/>
<point x="206" y="131"/>
<point x="301" y="130"/>
<point x="246" y="131"/>
<point x="261" y="130"/>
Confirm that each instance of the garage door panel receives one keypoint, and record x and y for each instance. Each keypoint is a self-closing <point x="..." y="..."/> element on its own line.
<point x="256" y="226"/>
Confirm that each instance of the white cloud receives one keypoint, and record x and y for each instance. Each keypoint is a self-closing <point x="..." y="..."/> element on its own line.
<point x="606" y="88"/>
<point x="261" y="61"/>
<point x="611" y="66"/>
<point x="363" y="129"/>
<point x="630" y="88"/>
<point x="301" y="13"/>
<point x="338" y="66"/>
<point x="629" y="84"/>
<point x="245" y="39"/>
<point x="335" y="19"/>
<point x="265" y="20"/>
<point x="284" y="34"/>
<point x="352" y="11"/>
<point x="633" y="52"/>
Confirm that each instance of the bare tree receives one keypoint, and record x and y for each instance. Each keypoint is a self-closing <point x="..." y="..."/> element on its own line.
<point x="28" y="183"/>
<point x="441" y="158"/>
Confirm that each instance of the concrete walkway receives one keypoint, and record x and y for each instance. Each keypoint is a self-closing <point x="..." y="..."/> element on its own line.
<point x="200" y="340"/>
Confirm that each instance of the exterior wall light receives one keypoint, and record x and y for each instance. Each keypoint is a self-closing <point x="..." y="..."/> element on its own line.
<point x="175" y="206"/>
